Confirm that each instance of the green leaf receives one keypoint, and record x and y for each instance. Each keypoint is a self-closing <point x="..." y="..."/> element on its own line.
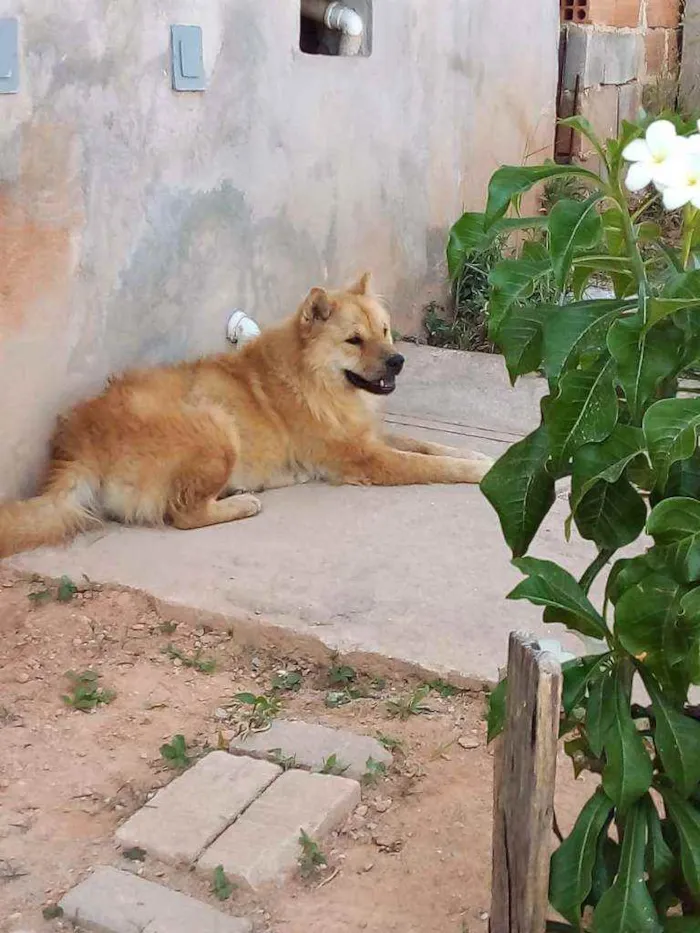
<point x="686" y="819"/>
<point x="510" y="181"/>
<point x="674" y="525"/>
<point x="583" y="126"/>
<point x="625" y="573"/>
<point x="611" y="514"/>
<point x="580" y="278"/>
<point x="578" y="676"/>
<point x="549" y="585"/>
<point x="521" y="490"/>
<point x="520" y="338"/>
<point x="660" y="861"/>
<point x="571" y="866"/>
<point x="576" y="329"/>
<point x="643" y="361"/>
<point x="684" y="478"/>
<point x="497" y="710"/>
<point x="677" y="739"/>
<point x="496" y="309"/>
<point x="515" y="279"/>
<point x="645" y="612"/>
<point x="660" y="308"/>
<point x="627" y="906"/>
<point x="670" y="427"/>
<point x="573" y="225"/>
<point x="468" y="235"/>
<point x="605" y="461"/>
<point x="600" y="712"/>
<point x="607" y="861"/>
<point x="682" y="925"/>
<point x="628" y="770"/>
<point x="584" y="410"/>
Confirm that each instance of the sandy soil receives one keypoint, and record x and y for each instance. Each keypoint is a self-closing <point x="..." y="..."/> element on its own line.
<point x="414" y="857"/>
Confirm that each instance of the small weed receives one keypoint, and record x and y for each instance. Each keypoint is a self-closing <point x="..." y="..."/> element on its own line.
<point x="41" y="596"/>
<point x="286" y="762"/>
<point x="443" y="688"/>
<point x="378" y="683"/>
<point x="390" y="744"/>
<point x="167" y="628"/>
<point x="331" y="765"/>
<point x="374" y="770"/>
<point x="196" y="661"/>
<point x="135" y="854"/>
<point x="221" y="887"/>
<point x="66" y="590"/>
<point x="412" y="705"/>
<point x="261" y="710"/>
<point x="86" y="693"/>
<point x="311" y="857"/>
<point x="174" y="753"/>
<point x="336" y="698"/>
<point x="52" y="912"/>
<point x="341" y="676"/>
<point x="286" y="680"/>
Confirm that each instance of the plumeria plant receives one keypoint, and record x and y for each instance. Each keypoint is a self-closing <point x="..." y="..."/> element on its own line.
<point x="618" y="428"/>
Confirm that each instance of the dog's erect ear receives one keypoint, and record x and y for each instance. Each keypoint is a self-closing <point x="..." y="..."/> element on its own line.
<point x="317" y="306"/>
<point x="363" y="286"/>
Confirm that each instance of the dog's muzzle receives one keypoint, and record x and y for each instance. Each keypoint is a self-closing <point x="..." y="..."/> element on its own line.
<point x="383" y="386"/>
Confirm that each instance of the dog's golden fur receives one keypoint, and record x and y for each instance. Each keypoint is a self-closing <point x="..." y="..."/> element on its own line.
<point x="188" y="443"/>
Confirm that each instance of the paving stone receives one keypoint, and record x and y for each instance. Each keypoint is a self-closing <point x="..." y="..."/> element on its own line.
<point x="112" y="901"/>
<point x="311" y="745"/>
<point x="186" y="815"/>
<point x="263" y="844"/>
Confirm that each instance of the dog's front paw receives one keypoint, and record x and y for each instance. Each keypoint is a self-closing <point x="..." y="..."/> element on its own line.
<point x="249" y="505"/>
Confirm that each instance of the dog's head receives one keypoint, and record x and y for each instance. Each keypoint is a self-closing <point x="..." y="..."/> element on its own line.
<point x="347" y="338"/>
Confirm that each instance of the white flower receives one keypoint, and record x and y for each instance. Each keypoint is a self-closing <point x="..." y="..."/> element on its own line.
<point x="660" y="144"/>
<point x="679" y="180"/>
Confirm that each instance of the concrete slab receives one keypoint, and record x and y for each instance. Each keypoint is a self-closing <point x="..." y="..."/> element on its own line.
<point x="262" y="846"/>
<point x="186" y="815"/>
<point x="414" y="573"/>
<point x="310" y="745"/>
<point x="112" y="901"/>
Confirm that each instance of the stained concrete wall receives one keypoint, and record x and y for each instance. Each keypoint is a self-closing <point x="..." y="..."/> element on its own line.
<point x="132" y="218"/>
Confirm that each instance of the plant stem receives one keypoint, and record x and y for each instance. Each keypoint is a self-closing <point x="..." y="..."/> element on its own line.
<point x="690" y="215"/>
<point x="638" y="267"/>
<point x="594" y="568"/>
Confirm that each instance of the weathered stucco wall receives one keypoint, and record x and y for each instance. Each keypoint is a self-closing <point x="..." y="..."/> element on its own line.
<point x="132" y="218"/>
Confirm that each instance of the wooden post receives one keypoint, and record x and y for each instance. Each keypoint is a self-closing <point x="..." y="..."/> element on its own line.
<point x="523" y="803"/>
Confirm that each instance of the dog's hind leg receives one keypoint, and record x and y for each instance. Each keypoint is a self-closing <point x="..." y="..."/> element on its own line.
<point x="202" y="477"/>
<point x="216" y="511"/>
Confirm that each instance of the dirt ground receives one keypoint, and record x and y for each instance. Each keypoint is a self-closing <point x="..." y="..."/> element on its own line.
<point x="415" y="856"/>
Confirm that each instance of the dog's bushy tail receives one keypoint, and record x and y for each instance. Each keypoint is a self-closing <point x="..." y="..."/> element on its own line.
<point x="63" y="510"/>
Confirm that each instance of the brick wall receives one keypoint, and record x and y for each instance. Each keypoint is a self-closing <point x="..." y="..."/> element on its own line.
<point x="614" y="49"/>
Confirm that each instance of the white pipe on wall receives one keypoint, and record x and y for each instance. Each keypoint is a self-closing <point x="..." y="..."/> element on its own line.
<point x="336" y="15"/>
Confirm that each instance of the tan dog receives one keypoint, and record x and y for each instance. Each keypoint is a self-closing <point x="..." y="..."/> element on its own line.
<point x="177" y="443"/>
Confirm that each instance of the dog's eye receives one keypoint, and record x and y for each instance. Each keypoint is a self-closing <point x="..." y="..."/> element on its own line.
<point x="355" y="341"/>
<point x="386" y="331"/>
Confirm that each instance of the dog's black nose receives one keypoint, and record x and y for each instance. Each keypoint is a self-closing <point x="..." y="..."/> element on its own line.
<point x="395" y="363"/>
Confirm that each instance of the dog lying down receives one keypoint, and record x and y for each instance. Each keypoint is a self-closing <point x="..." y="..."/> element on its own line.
<point x="187" y="444"/>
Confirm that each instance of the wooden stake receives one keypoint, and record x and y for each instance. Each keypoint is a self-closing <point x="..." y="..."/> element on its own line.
<point x="524" y="774"/>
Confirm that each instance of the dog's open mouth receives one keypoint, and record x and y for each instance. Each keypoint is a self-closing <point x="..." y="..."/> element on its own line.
<point x="383" y="386"/>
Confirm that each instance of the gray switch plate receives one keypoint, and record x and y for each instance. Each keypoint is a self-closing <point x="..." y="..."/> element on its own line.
<point x="187" y="58"/>
<point x="9" y="56"/>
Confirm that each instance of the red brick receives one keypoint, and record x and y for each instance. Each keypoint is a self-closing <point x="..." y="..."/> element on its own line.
<point x="663" y="13"/>
<point x="614" y="12"/>
<point x="655" y="53"/>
